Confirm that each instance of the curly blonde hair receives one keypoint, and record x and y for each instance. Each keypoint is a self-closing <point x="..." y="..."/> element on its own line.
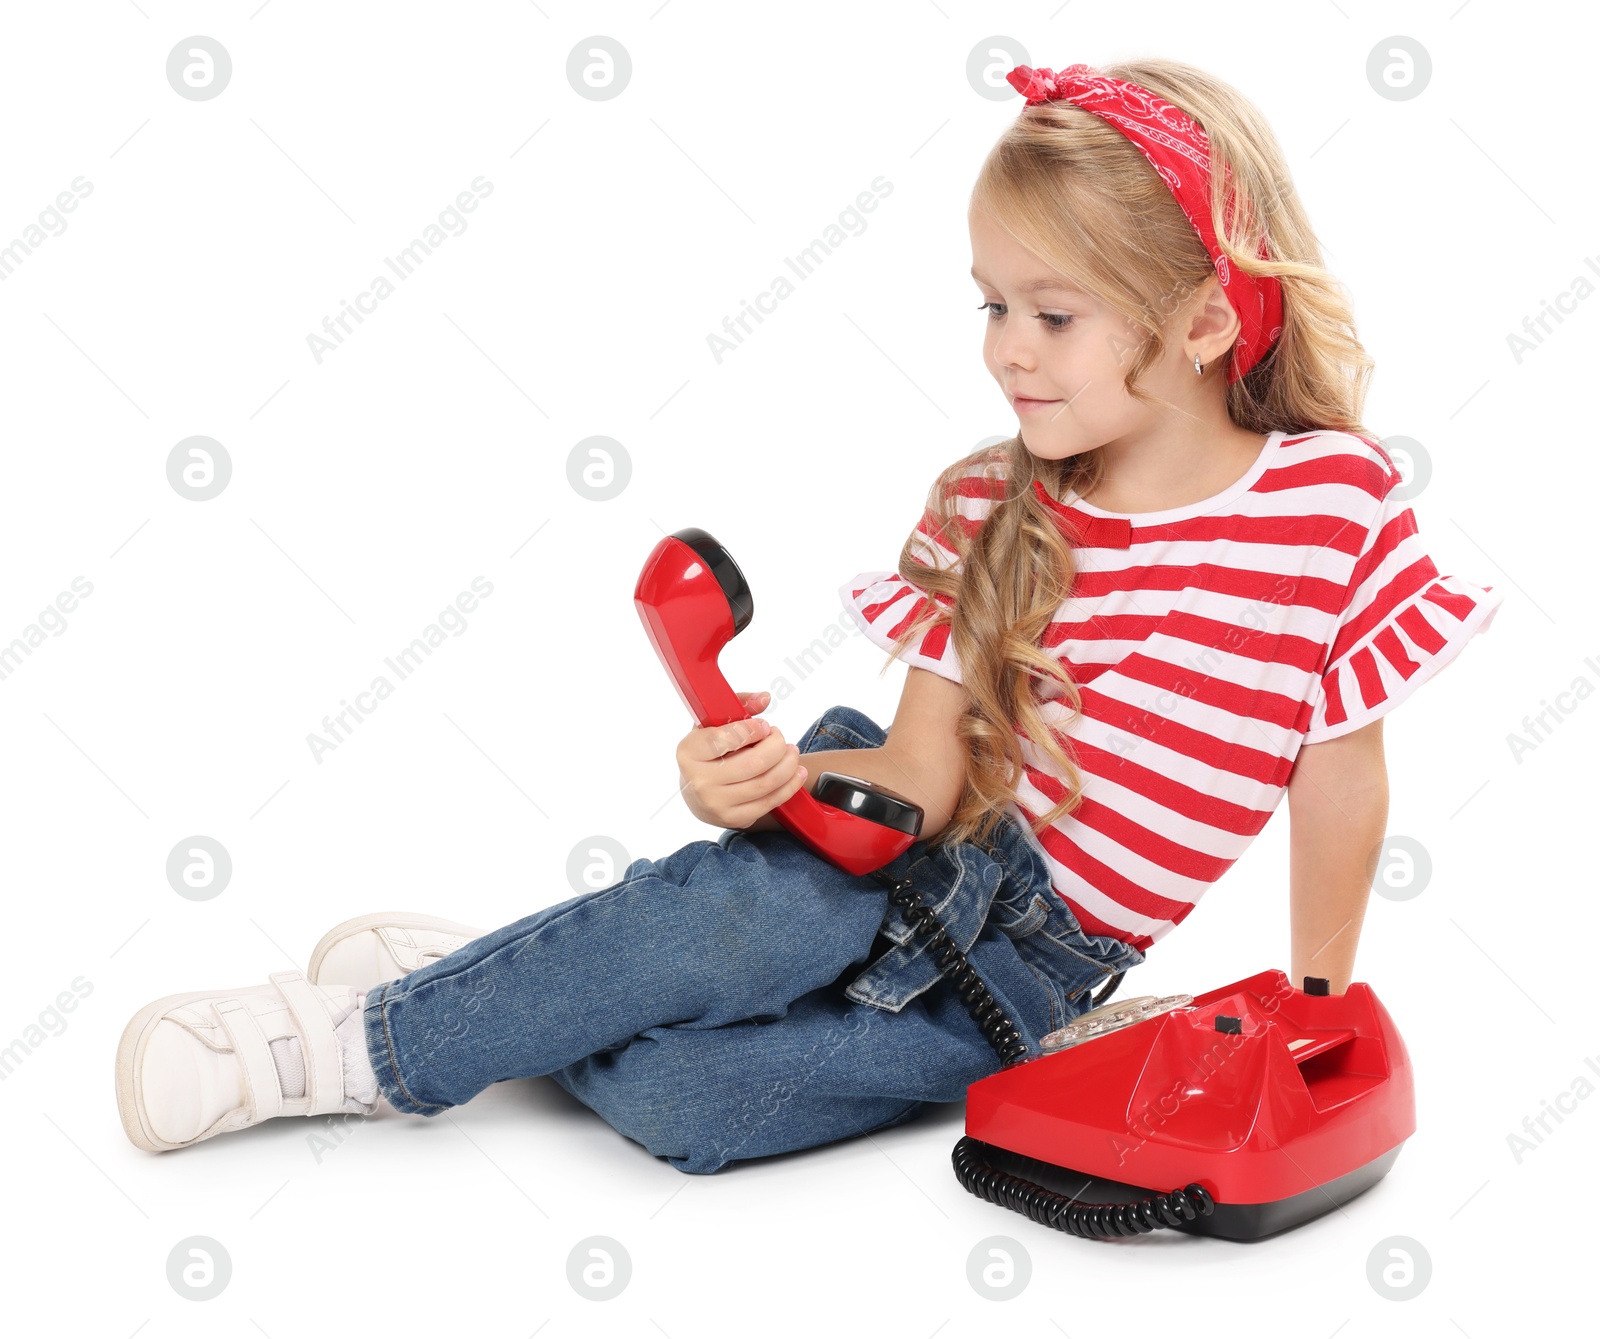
<point x="1079" y="194"/>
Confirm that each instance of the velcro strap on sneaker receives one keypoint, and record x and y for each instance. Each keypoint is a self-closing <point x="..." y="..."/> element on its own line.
<point x="318" y="1045"/>
<point x="250" y="1045"/>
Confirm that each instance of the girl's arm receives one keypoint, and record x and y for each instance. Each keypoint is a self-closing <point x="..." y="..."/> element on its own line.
<point x="1338" y="809"/>
<point x="922" y="759"/>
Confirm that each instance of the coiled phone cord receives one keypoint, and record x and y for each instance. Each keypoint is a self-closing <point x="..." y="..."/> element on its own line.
<point x="1130" y="1218"/>
<point x="1048" y="1207"/>
<point x="1001" y="1032"/>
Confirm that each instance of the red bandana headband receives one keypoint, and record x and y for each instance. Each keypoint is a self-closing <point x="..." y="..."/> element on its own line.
<point x="1180" y="151"/>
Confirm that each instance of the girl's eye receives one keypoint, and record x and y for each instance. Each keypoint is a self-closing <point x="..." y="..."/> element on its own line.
<point x="1051" y="321"/>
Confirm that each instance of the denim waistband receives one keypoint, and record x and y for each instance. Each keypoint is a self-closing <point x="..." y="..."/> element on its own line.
<point x="966" y="885"/>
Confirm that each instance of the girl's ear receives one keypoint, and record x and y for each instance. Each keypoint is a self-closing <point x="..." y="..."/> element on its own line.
<point x="1214" y="326"/>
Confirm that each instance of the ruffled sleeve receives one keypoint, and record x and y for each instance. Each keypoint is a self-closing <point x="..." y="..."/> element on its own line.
<point x="884" y="603"/>
<point x="1401" y="623"/>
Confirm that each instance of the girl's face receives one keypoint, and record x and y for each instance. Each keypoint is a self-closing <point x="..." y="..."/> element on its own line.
<point x="1059" y="355"/>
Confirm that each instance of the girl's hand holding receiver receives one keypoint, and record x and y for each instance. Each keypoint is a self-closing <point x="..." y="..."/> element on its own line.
<point x="731" y="775"/>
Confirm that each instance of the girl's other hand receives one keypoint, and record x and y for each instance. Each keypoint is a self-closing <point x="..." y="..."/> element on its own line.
<point x="730" y="775"/>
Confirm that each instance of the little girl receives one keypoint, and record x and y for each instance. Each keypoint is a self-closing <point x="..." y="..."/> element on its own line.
<point x="1187" y="585"/>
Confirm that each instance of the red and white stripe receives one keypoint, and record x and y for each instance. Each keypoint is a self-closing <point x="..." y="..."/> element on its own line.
<point x="1208" y="643"/>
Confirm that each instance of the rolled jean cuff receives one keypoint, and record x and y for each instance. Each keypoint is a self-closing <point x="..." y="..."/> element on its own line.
<point x="380" y="1050"/>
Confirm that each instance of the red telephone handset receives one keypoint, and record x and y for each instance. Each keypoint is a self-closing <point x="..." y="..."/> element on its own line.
<point x="693" y="600"/>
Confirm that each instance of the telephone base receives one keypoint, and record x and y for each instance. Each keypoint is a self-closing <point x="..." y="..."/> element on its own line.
<point x="1235" y="1222"/>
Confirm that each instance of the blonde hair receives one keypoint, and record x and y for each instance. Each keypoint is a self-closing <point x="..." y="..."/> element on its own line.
<point x="1075" y="191"/>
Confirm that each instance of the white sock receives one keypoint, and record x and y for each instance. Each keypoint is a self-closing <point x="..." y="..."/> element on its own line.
<point x="360" y="1082"/>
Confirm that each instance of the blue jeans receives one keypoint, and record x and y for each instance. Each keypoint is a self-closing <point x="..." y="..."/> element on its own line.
<point x="716" y="1004"/>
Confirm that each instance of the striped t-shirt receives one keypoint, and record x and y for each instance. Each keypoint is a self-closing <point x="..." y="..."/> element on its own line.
<point x="1208" y="642"/>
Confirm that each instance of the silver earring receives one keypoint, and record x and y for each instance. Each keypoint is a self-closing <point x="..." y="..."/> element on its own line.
<point x="1199" y="371"/>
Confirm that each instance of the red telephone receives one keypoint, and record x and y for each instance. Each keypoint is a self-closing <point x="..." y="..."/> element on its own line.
<point x="1274" y="1105"/>
<point x="1283" y="1104"/>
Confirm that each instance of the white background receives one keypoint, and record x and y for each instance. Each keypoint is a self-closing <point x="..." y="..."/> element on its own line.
<point x="436" y="445"/>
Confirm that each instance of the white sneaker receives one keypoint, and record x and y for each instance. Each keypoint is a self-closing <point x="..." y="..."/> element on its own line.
<point x="369" y="950"/>
<point x="201" y="1064"/>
